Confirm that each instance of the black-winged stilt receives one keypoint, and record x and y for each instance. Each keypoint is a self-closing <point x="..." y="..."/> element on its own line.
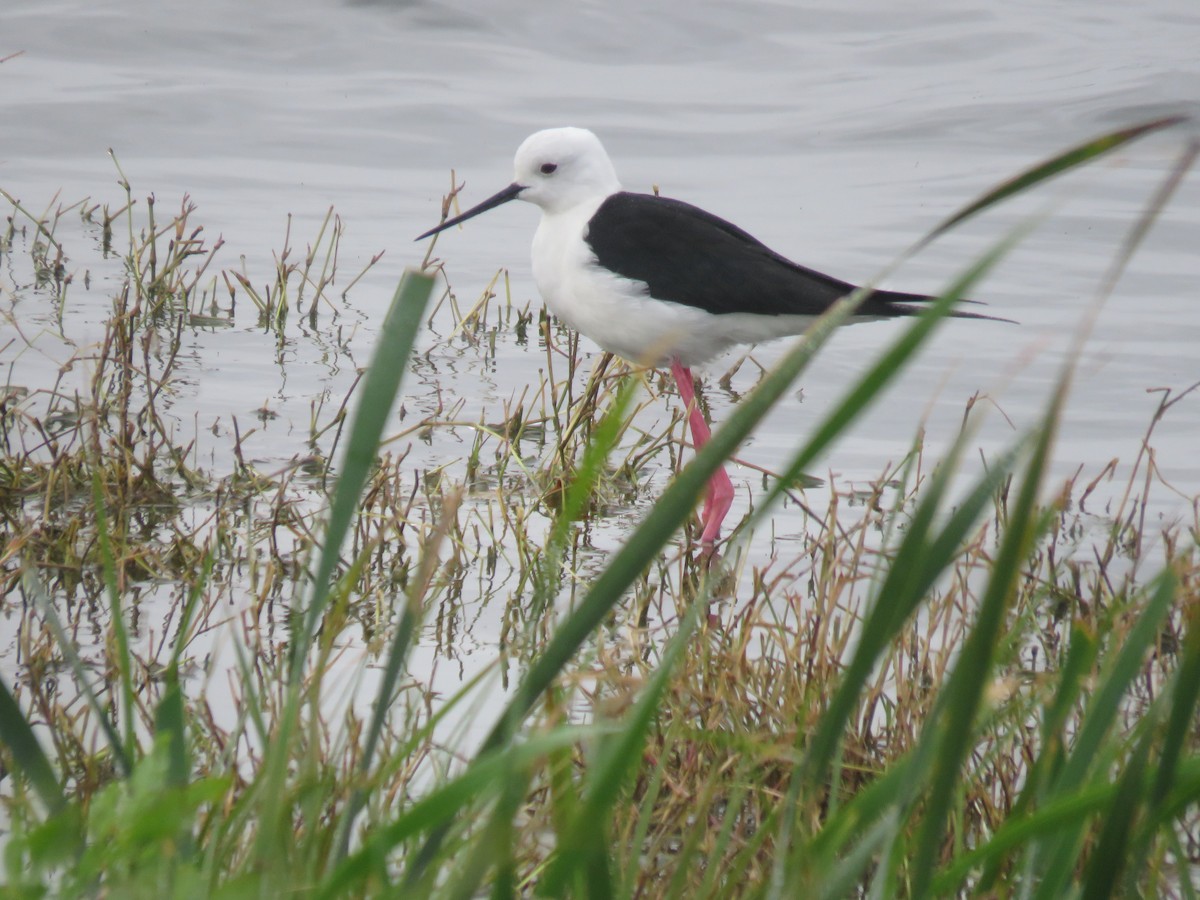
<point x="658" y="281"/>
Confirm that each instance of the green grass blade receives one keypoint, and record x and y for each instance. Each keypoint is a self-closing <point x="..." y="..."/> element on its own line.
<point x="922" y="557"/>
<point x="1017" y="831"/>
<point x="961" y="697"/>
<point x="402" y="642"/>
<point x="124" y="661"/>
<point x="1055" y="815"/>
<point x="883" y="620"/>
<point x="1110" y="858"/>
<point x="195" y="595"/>
<point x="965" y="688"/>
<point x="920" y="560"/>
<point x="871" y="383"/>
<point x="1081" y="656"/>
<point x="841" y="877"/>
<point x="603" y="439"/>
<point x="1105" y="706"/>
<point x="1184" y="695"/>
<point x="1055" y="859"/>
<point x="491" y="852"/>
<point x="1184" y="698"/>
<point x="717" y="877"/>
<point x="1057" y="165"/>
<point x="17" y="734"/>
<point x="445" y="804"/>
<point x="602" y="442"/>
<point x="169" y="721"/>
<point x="34" y="588"/>
<point x="651" y="796"/>
<point x="892" y="788"/>
<point x="587" y="837"/>
<point x="380" y="388"/>
<point x="169" y="715"/>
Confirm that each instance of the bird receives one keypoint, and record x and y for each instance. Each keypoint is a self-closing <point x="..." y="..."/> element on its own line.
<point x="661" y="282"/>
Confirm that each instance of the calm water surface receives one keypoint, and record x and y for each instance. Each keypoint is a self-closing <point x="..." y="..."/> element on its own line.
<point x="836" y="134"/>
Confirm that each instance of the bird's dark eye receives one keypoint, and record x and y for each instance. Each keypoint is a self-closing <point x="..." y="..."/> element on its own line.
<point x="548" y="168"/>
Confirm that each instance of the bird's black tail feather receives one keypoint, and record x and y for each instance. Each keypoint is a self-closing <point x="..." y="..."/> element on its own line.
<point x="893" y="304"/>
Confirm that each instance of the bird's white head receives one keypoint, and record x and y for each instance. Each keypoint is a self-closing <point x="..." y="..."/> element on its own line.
<point x="557" y="169"/>
<point x="561" y="167"/>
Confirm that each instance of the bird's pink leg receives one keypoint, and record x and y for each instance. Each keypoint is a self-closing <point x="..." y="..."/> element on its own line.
<point x="720" y="488"/>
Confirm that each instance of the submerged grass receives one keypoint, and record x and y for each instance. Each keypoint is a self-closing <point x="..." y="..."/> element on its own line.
<point x="947" y="690"/>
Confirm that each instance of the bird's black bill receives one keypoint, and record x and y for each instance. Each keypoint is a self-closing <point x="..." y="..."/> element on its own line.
<point x="509" y="193"/>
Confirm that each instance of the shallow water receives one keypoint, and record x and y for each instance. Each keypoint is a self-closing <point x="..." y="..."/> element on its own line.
<point x="837" y="136"/>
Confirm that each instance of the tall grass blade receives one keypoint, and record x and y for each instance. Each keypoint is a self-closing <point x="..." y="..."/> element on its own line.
<point x="1017" y="831"/>
<point x="920" y="560"/>
<point x="169" y="716"/>
<point x="388" y="363"/>
<point x="586" y="839"/>
<point x="841" y="877"/>
<point x="718" y="874"/>
<point x="402" y="642"/>
<point x="604" y="437"/>
<point x="884" y="619"/>
<point x="964" y="691"/>
<point x="445" y="803"/>
<point x="1063" y="162"/>
<point x="959" y="703"/>
<point x="1055" y="859"/>
<point x="34" y="588"/>
<point x="1154" y="206"/>
<point x="922" y="557"/>
<point x="602" y="441"/>
<point x="1185" y="695"/>
<point x="1081" y="657"/>
<point x="169" y="722"/>
<point x="1110" y="858"/>
<point x="852" y="814"/>
<point x="17" y="734"/>
<point x="379" y="390"/>
<point x="491" y="849"/>
<point x="887" y="367"/>
<point x="651" y="795"/>
<point x="126" y="710"/>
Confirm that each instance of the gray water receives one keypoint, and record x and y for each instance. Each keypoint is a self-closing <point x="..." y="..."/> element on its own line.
<point x="837" y="134"/>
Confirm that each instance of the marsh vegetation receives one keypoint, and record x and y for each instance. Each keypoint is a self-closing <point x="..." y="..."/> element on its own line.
<point x="954" y="681"/>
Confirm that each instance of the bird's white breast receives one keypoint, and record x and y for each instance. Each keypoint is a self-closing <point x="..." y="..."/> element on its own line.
<point x="620" y="315"/>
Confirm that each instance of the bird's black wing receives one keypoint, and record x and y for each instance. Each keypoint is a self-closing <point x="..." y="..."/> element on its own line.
<point x="690" y="256"/>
